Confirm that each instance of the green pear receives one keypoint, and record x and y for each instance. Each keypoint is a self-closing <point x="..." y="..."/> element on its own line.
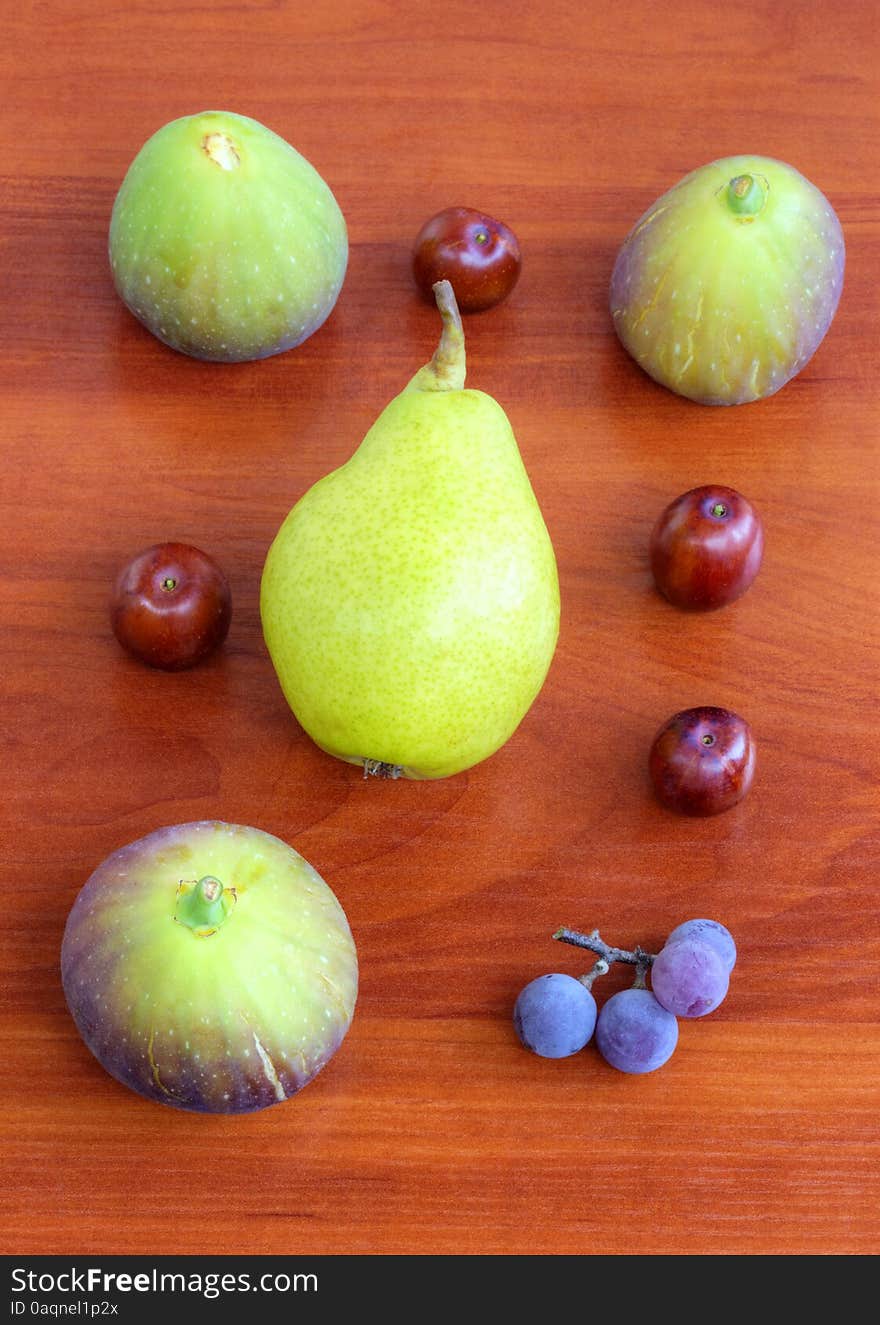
<point x="410" y="600"/>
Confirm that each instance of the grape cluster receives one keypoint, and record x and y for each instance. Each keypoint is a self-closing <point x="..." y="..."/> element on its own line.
<point x="636" y="1030"/>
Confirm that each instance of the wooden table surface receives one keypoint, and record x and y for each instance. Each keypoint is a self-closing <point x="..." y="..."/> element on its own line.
<point x="433" y="1130"/>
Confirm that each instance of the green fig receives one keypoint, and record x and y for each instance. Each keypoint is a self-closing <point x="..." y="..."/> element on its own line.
<point x="208" y="966"/>
<point x="724" y="289"/>
<point x="224" y="241"/>
<point x="410" y="600"/>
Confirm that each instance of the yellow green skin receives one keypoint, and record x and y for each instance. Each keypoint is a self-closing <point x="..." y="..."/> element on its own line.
<point x="724" y="305"/>
<point x="410" y="600"/>
<point x="227" y="1009"/>
<point x="224" y="241"/>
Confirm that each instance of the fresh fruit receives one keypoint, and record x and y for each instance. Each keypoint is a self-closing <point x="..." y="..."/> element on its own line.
<point x="209" y="967"/>
<point x="171" y="606"/>
<point x="555" y="1015"/>
<point x="725" y="287"/>
<point x="224" y="241"/>
<point x="636" y="1030"/>
<point x="410" y="600"/>
<point x="478" y="255"/>
<point x="706" y="548"/>
<point x="711" y="933"/>
<point x="689" y="978"/>
<point x="702" y="761"/>
<point x="634" y="1033"/>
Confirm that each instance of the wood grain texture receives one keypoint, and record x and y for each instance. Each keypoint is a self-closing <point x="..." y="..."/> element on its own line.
<point x="432" y="1130"/>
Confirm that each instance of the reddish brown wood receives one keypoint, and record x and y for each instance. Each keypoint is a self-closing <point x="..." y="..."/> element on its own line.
<point x="432" y="1130"/>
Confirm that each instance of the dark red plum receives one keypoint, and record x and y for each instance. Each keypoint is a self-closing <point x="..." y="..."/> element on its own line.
<point x="208" y="967"/>
<point x="479" y="256"/>
<point x="702" y="761"/>
<point x="706" y="548"/>
<point x="171" y="606"/>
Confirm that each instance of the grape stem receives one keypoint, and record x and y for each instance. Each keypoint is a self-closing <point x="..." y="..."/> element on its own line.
<point x="601" y="968"/>
<point x="638" y="957"/>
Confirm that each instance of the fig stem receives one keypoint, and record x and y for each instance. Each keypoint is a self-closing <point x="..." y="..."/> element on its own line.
<point x="746" y="195"/>
<point x="446" y="371"/>
<point x="203" y="906"/>
<point x="220" y="149"/>
<point x="593" y="942"/>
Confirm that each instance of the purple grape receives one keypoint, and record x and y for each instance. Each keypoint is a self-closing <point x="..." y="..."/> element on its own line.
<point x="689" y="978"/>
<point x="634" y="1033"/>
<point x="710" y="932"/>
<point x="554" y="1016"/>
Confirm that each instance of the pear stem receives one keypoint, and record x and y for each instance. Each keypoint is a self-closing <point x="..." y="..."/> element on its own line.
<point x="446" y="371"/>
